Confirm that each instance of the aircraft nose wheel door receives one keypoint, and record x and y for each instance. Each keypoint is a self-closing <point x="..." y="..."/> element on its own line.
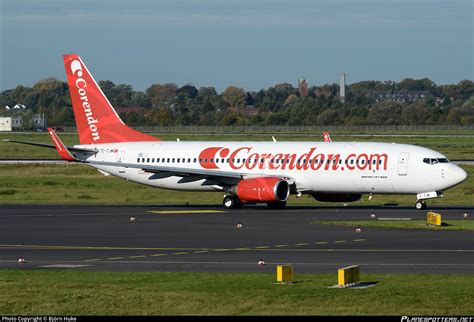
<point x="403" y="163"/>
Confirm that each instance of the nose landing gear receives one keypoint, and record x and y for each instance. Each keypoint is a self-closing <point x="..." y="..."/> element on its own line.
<point x="420" y="205"/>
<point x="421" y="197"/>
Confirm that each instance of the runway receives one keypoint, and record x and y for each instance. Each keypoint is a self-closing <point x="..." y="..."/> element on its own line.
<point x="207" y="239"/>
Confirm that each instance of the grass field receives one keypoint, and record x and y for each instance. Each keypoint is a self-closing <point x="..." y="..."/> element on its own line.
<point x="467" y="224"/>
<point x="454" y="147"/>
<point x="41" y="292"/>
<point x="80" y="184"/>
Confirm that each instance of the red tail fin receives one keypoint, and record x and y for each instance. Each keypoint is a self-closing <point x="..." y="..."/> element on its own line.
<point x="96" y="120"/>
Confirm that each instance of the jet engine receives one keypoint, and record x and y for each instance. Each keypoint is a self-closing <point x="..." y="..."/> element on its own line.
<point x="262" y="189"/>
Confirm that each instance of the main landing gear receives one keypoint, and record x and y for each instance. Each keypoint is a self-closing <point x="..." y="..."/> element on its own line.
<point x="420" y="205"/>
<point x="232" y="202"/>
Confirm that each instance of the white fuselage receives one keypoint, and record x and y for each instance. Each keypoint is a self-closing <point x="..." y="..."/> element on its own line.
<point x="332" y="167"/>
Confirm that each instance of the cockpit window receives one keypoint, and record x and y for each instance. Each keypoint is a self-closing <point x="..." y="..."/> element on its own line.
<point x="435" y="161"/>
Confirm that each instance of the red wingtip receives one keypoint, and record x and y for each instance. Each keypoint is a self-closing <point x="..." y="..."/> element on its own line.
<point x="326" y="137"/>
<point x="60" y="147"/>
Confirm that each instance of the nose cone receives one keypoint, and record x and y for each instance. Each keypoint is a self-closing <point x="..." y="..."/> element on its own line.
<point x="458" y="175"/>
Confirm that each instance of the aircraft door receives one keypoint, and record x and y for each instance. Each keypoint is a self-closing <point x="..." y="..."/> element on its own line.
<point x="403" y="163"/>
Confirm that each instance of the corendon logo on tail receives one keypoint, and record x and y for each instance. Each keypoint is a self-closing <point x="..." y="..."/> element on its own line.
<point x="81" y="86"/>
<point x="244" y="158"/>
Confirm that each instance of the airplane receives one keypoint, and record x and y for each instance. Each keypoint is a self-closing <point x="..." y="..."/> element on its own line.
<point x="246" y="172"/>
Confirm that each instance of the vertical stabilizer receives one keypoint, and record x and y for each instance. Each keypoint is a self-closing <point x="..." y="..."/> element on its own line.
<point x="96" y="120"/>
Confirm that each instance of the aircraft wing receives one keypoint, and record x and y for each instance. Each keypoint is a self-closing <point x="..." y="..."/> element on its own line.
<point x="51" y="146"/>
<point x="189" y="175"/>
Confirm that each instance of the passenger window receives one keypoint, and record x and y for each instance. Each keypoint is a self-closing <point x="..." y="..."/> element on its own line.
<point x="148" y="160"/>
<point x="158" y="160"/>
<point x="138" y="160"/>
<point x="173" y="160"/>
<point x="168" y="160"/>
<point x="177" y="160"/>
<point x="153" y="160"/>
<point x="143" y="160"/>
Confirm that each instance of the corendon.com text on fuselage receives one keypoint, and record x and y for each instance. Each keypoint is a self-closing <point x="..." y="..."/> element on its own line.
<point x="312" y="160"/>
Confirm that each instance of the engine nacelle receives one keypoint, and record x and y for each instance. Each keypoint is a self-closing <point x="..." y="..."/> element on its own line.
<point x="337" y="197"/>
<point x="263" y="189"/>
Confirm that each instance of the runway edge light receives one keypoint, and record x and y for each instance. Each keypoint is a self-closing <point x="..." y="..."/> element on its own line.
<point x="284" y="274"/>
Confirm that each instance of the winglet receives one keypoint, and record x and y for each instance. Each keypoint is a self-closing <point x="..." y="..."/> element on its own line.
<point x="326" y="137"/>
<point x="60" y="147"/>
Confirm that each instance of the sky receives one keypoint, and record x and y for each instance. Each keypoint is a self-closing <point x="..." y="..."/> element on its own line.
<point x="252" y="44"/>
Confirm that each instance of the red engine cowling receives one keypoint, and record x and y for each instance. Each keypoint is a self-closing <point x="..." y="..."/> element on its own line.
<point x="263" y="189"/>
<point x="336" y="197"/>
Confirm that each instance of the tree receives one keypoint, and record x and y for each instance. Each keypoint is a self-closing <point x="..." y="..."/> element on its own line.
<point x="415" y="114"/>
<point x="384" y="113"/>
<point x="188" y="92"/>
<point x="328" y="117"/>
<point x="234" y="97"/>
<point x="162" y="95"/>
<point x="454" y="116"/>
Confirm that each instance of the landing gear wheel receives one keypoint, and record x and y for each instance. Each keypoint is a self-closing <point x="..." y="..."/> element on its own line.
<point x="420" y="205"/>
<point x="230" y="202"/>
<point x="276" y="205"/>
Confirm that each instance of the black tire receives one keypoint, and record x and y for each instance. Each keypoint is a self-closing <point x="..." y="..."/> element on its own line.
<point x="231" y="202"/>
<point x="420" y="205"/>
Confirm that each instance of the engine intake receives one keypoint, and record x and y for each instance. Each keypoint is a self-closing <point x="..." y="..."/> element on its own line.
<point x="263" y="189"/>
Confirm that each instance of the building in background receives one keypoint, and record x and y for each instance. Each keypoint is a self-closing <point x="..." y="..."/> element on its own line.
<point x="342" y="87"/>
<point x="38" y="122"/>
<point x="400" y="97"/>
<point x="5" y="124"/>
<point x="303" y="87"/>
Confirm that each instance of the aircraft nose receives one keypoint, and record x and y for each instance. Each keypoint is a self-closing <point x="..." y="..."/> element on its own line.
<point x="459" y="175"/>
